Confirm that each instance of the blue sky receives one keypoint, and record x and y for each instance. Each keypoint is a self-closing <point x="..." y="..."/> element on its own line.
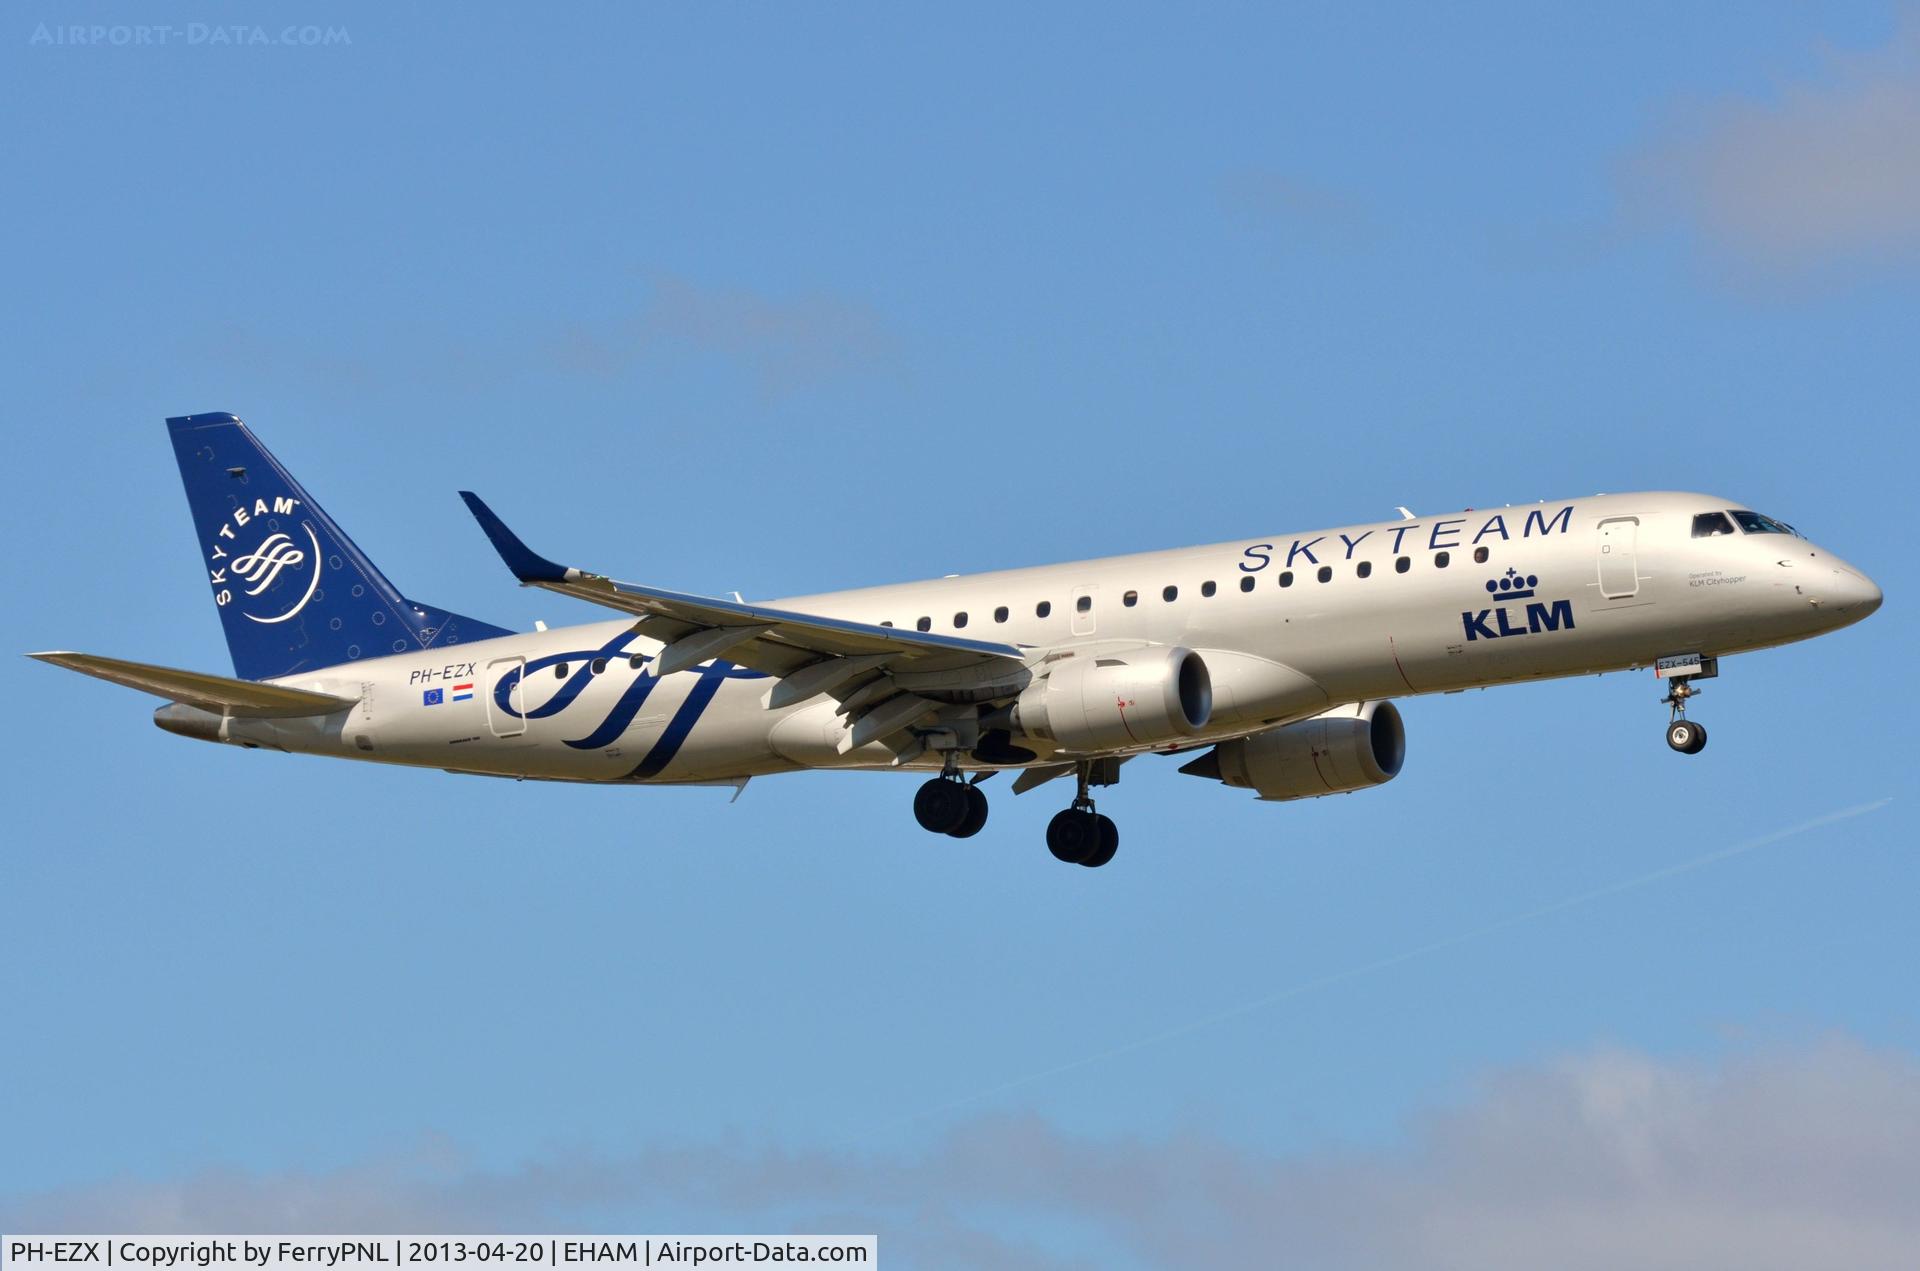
<point x="781" y="301"/>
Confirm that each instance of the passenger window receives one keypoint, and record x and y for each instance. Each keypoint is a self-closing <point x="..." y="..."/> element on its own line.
<point x="1246" y="582"/>
<point x="1710" y="524"/>
<point x="1042" y="609"/>
<point x="559" y="670"/>
<point x="1364" y="568"/>
<point x="1083" y="604"/>
<point x="633" y="663"/>
<point x="599" y="666"/>
<point x="1479" y="555"/>
<point x="1206" y="588"/>
<point x="1286" y="578"/>
<point x="1000" y="614"/>
<point x="1131" y="599"/>
<point x="923" y="624"/>
<point x="1440" y="560"/>
<point x="959" y="621"/>
<point x="1169" y="594"/>
<point x="1400" y="565"/>
<point x="887" y="623"/>
<point x="1326" y="574"/>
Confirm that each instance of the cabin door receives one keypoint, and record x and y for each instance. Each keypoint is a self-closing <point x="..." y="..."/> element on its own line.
<point x="1619" y="570"/>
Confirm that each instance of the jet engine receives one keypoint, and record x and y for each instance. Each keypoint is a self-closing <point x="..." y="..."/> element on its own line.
<point x="1138" y="697"/>
<point x="1348" y="748"/>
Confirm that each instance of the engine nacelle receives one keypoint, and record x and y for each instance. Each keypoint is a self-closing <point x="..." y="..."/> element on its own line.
<point x="1139" y="697"/>
<point x="1348" y="748"/>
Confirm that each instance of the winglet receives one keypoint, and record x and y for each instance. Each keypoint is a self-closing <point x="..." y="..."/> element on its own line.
<point x="527" y="565"/>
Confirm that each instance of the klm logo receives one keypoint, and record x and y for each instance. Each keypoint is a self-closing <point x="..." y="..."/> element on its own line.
<point x="1508" y="618"/>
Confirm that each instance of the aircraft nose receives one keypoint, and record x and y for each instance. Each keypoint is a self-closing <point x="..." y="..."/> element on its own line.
<point x="1840" y="594"/>
<point x="1851" y="593"/>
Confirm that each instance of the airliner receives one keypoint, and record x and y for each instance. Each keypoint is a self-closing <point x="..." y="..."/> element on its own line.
<point x="1270" y="664"/>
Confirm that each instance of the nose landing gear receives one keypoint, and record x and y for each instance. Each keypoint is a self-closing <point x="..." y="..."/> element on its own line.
<point x="1686" y="736"/>
<point x="1683" y="734"/>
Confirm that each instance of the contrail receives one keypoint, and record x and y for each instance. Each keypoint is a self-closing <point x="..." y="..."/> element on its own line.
<point x="1418" y="951"/>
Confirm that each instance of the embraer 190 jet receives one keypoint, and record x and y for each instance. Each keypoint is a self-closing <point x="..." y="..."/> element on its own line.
<point x="1271" y="663"/>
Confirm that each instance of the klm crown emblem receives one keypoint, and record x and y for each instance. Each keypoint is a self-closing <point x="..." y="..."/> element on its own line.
<point x="1513" y="585"/>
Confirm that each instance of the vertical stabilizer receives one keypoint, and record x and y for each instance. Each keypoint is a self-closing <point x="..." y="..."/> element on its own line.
<point x="293" y="591"/>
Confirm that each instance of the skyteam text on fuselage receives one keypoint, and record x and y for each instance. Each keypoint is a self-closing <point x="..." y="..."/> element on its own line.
<point x="1274" y="660"/>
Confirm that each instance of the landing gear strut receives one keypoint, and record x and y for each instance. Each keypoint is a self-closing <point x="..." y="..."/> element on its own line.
<point x="1683" y="734"/>
<point x="949" y="805"/>
<point x="1080" y="835"/>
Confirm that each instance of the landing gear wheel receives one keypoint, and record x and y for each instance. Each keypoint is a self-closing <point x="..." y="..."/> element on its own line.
<point x="976" y="814"/>
<point x="1074" y="835"/>
<point x="1109" y="842"/>
<point x="1683" y="734"/>
<point x="942" y="806"/>
<point x="1686" y="736"/>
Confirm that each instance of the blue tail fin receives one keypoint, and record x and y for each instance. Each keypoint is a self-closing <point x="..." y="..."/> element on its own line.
<point x="294" y="592"/>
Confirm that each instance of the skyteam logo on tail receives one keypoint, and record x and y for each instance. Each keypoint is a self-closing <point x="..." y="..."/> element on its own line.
<point x="253" y="553"/>
<point x="1507" y="618"/>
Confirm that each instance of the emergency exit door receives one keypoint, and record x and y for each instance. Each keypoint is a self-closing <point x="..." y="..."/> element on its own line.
<point x="1082" y="623"/>
<point x="506" y="697"/>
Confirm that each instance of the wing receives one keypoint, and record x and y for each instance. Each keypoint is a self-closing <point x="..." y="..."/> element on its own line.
<point x="216" y="693"/>
<point x="887" y="680"/>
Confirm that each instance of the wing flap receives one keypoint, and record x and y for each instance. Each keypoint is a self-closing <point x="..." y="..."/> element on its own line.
<point x="216" y="693"/>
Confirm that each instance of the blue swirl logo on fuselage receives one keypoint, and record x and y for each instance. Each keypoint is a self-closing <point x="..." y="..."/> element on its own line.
<point x="708" y="679"/>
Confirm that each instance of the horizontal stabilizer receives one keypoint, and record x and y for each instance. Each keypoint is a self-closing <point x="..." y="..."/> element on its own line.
<point x="246" y="699"/>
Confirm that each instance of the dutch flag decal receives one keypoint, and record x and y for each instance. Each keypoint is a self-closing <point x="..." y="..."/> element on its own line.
<point x="463" y="692"/>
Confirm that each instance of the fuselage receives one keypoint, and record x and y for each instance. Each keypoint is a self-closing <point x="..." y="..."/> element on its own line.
<point x="1289" y="624"/>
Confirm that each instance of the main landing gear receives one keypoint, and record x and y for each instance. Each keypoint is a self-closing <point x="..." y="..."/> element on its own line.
<point x="1683" y="734"/>
<point x="1081" y="836"/>
<point x="951" y="805"/>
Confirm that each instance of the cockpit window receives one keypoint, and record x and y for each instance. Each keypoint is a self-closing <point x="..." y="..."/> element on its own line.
<point x="1754" y="523"/>
<point x="1709" y="524"/>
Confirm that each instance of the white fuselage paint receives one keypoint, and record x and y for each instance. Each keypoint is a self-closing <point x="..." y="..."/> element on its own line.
<point x="1620" y="582"/>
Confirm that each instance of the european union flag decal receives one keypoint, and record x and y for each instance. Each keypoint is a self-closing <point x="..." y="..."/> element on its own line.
<point x="432" y="696"/>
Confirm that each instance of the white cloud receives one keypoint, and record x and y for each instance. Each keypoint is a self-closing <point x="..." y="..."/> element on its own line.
<point x="1271" y="202"/>
<point x="784" y="343"/>
<point x="1824" y="173"/>
<point x="1614" y="1159"/>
